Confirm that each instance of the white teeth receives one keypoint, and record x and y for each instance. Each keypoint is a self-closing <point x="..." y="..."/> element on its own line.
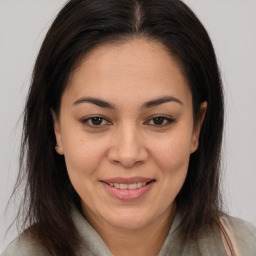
<point x="128" y="186"/>
<point x="132" y="186"/>
<point x="123" y="186"/>
<point x="116" y="185"/>
<point x="139" y="184"/>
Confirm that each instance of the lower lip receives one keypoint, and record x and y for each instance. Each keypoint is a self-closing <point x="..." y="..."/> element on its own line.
<point x="128" y="194"/>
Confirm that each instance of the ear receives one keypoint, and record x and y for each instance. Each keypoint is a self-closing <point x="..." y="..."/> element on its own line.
<point x="197" y="126"/>
<point x="57" y="131"/>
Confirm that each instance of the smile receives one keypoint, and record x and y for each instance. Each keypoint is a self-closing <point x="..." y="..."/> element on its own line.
<point x="128" y="186"/>
<point x="128" y="189"/>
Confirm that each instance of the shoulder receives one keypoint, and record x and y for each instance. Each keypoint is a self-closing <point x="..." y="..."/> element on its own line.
<point x="212" y="243"/>
<point x="24" y="246"/>
<point x="245" y="234"/>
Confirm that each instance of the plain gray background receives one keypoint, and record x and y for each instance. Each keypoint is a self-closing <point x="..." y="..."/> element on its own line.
<point x="232" y="27"/>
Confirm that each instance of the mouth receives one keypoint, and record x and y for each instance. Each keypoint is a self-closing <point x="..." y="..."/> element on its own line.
<point x="128" y="189"/>
<point x="130" y="186"/>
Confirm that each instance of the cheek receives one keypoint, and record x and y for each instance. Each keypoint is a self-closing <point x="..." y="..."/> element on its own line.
<point x="172" y="153"/>
<point x="82" y="155"/>
<point x="172" y="158"/>
<point x="82" y="161"/>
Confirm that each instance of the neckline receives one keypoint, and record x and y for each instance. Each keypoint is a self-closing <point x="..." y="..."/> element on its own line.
<point x="91" y="240"/>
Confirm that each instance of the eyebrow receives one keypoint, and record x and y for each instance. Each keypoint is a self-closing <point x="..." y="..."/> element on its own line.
<point x="96" y="101"/>
<point x="149" y="104"/>
<point x="159" y="101"/>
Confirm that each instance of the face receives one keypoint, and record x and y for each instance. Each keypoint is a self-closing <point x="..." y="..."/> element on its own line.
<point x="126" y="130"/>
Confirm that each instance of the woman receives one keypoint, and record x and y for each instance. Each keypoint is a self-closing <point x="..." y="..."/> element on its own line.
<point x="122" y="137"/>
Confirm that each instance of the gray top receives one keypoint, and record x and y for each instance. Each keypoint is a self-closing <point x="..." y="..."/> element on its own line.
<point x="93" y="244"/>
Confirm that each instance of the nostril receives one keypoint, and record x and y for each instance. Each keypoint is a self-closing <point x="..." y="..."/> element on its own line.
<point x="127" y="154"/>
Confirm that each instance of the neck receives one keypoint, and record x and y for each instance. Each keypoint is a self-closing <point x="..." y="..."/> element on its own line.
<point x="144" y="241"/>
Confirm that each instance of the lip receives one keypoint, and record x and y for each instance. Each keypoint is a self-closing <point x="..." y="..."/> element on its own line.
<point x="127" y="194"/>
<point x="122" y="180"/>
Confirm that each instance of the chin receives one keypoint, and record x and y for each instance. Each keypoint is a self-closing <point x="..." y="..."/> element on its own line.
<point x="130" y="220"/>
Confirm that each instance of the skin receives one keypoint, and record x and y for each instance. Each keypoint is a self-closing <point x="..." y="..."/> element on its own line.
<point x="129" y="141"/>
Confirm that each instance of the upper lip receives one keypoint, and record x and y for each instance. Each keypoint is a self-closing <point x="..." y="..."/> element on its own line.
<point x="122" y="180"/>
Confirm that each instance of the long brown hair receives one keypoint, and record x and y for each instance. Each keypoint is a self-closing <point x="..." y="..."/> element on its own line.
<point x="79" y="27"/>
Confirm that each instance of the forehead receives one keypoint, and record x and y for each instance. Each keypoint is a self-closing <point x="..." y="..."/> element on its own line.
<point x="137" y="66"/>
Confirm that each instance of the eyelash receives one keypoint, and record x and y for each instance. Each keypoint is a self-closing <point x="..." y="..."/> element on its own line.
<point x="167" y="121"/>
<point x="88" y="121"/>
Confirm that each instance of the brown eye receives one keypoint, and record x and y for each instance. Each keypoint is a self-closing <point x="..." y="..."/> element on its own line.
<point x="158" y="120"/>
<point x="96" y="120"/>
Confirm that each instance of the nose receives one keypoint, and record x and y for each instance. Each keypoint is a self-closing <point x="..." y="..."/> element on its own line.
<point x="127" y="147"/>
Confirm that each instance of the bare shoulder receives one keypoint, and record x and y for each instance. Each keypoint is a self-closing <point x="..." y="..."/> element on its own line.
<point x="24" y="246"/>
